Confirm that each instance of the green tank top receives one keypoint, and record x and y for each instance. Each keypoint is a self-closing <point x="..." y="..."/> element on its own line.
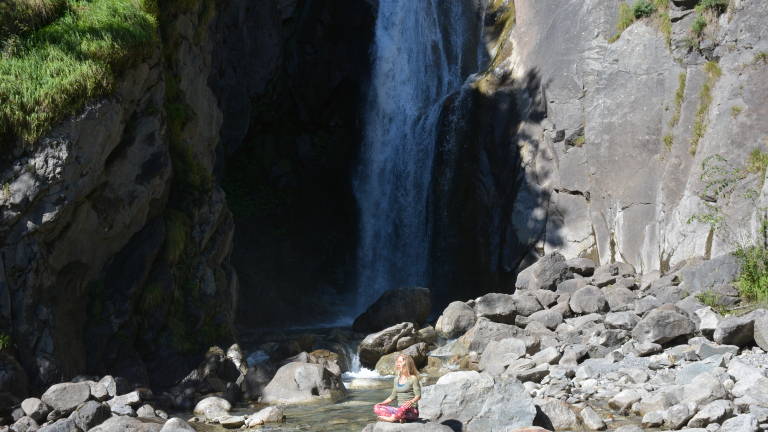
<point x="407" y="391"/>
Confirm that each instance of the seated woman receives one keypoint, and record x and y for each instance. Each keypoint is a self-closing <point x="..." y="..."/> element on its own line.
<point x="407" y="390"/>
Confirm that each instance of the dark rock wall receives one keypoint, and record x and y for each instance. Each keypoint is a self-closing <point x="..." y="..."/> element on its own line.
<point x="290" y="79"/>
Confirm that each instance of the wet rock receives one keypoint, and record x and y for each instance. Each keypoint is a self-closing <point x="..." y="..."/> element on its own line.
<point x="497" y="307"/>
<point x="591" y="419"/>
<point x="395" y="306"/>
<point x="304" y="383"/>
<point x="376" y="345"/>
<point x="456" y="320"/>
<point x="662" y="326"/>
<point x="628" y="428"/>
<point x="91" y="414"/>
<point x="66" y="397"/>
<point x="738" y="331"/>
<point x="36" y="409"/>
<point x="500" y="354"/>
<point x="267" y="415"/>
<point x="588" y="300"/>
<point x="231" y="422"/>
<point x="477" y="401"/>
<point x="678" y="415"/>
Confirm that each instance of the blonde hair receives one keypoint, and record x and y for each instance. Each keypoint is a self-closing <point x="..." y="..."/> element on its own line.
<point x="409" y="367"/>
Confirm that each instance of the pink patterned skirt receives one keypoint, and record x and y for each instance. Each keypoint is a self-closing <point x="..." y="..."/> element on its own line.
<point x="402" y="413"/>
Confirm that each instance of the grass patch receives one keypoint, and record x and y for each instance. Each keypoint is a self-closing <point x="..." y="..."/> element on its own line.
<point x="626" y="18"/>
<point x="713" y="300"/>
<point x="5" y="340"/>
<point x="736" y="110"/>
<point x="578" y="142"/>
<point x="761" y="57"/>
<point x="54" y="71"/>
<point x="151" y="298"/>
<point x="705" y="99"/>
<point x="18" y="17"/>
<point x="707" y="13"/>
<point x="679" y="95"/>
<point x="757" y="162"/>
<point x="668" y="139"/>
<point x="643" y="9"/>
<point x="176" y="227"/>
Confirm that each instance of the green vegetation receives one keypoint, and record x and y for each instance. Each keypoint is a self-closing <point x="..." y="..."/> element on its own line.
<point x="151" y="298"/>
<point x="626" y="18"/>
<point x="756" y="163"/>
<point x="679" y="95"/>
<point x="698" y="25"/>
<point x="578" y="142"/>
<point x="707" y="12"/>
<point x="712" y="300"/>
<point x="643" y="9"/>
<point x="736" y="110"/>
<point x="59" y="55"/>
<point x="705" y="99"/>
<point x="750" y="247"/>
<point x="5" y="340"/>
<point x="761" y="57"/>
<point x="176" y="226"/>
<point x="669" y="139"/>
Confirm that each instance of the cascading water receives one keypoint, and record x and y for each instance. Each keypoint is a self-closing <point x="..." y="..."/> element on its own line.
<point x="418" y="58"/>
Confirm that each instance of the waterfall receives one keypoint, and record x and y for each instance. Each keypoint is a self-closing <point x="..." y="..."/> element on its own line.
<point x="418" y="60"/>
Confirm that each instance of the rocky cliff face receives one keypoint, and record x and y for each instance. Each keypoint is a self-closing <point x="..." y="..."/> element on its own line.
<point x="568" y="141"/>
<point x="107" y="259"/>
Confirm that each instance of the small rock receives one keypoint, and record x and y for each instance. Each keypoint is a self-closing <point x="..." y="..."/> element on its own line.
<point x="678" y="415"/>
<point x="215" y="406"/>
<point x="90" y="415"/>
<point x="130" y="399"/>
<point x="231" y="422"/>
<point x="146" y="411"/>
<point x="267" y="415"/>
<point x="123" y="410"/>
<point x="110" y="384"/>
<point x="177" y="425"/>
<point x="591" y="419"/>
<point x="624" y="399"/>
<point x="653" y="419"/>
<point x="661" y="361"/>
<point x="35" y="409"/>
<point x="561" y="416"/>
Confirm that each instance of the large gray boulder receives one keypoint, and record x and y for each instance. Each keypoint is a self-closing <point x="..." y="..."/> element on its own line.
<point x="705" y="389"/>
<point x="375" y="345"/>
<point x="456" y="320"/>
<point x="619" y="298"/>
<point x="756" y="389"/>
<point x="500" y="354"/>
<point x="588" y="300"/>
<point x="65" y="397"/>
<point x="304" y="383"/>
<point x="421" y="426"/>
<point x="480" y="402"/>
<point x="527" y="304"/>
<point x="621" y="321"/>
<point x="738" y="331"/>
<point x="91" y="414"/>
<point x="560" y="415"/>
<point x="706" y="274"/>
<point x="662" y="326"/>
<point x="131" y="424"/>
<point x="546" y="273"/>
<point x="394" y="306"/>
<point x="485" y="331"/>
<point x="35" y="409"/>
<point x="497" y="307"/>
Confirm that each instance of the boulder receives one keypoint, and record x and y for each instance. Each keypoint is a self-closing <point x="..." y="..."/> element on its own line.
<point x="479" y="402"/>
<point x="386" y="364"/>
<point x="549" y="355"/>
<point x="592" y="420"/>
<point x="177" y="425"/>
<point x="588" y="300"/>
<point x="394" y="306"/>
<point x="571" y="286"/>
<point x="662" y="326"/>
<point x="110" y="384"/>
<point x="133" y="424"/>
<point x="653" y="419"/>
<point x="255" y="380"/>
<point x="546" y="298"/>
<point x="231" y="422"/>
<point x="708" y="321"/>
<point x="500" y="354"/>
<point x="714" y="412"/>
<point x="526" y="304"/>
<point x="129" y="399"/>
<point x="738" y="330"/>
<point x="485" y="331"/>
<point x="497" y="307"/>
<point x="678" y="415"/>
<point x="581" y="266"/>
<point x="619" y="298"/>
<point x="740" y="423"/>
<point x="560" y="416"/>
<point x="704" y="389"/>
<point x="660" y="401"/>
<point x="754" y="388"/>
<point x="456" y="320"/>
<point x="35" y="409"/>
<point x="61" y="425"/>
<point x="624" y="399"/>
<point x="215" y="406"/>
<point x="267" y="415"/>
<point x="740" y="371"/>
<point x="546" y="273"/>
<point x="24" y="424"/>
<point x="304" y="383"/>
<point x="90" y="415"/>
<point x="428" y="334"/>
<point x="407" y="427"/>
<point x="146" y="411"/>
<point x="123" y="410"/>
<point x="375" y="345"/>
<point x="687" y="374"/>
<point x="98" y="391"/>
<point x="549" y="318"/>
<point x="621" y="320"/>
<point x="65" y="397"/>
<point x="761" y="332"/>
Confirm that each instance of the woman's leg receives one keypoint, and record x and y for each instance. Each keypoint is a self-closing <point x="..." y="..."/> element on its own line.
<point x="407" y="414"/>
<point x="385" y="412"/>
